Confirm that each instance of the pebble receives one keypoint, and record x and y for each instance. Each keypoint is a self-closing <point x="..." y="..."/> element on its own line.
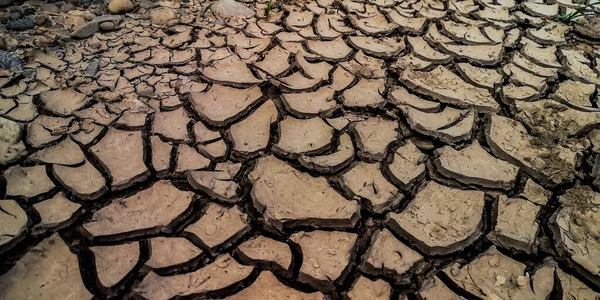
<point x="107" y="26"/>
<point x="88" y="15"/>
<point x="21" y="24"/>
<point x="117" y="7"/>
<point x="40" y="20"/>
<point x="10" y="61"/>
<point x="92" y="69"/>
<point x="86" y="30"/>
<point x="49" y="7"/>
<point x="15" y="15"/>
<point x="3" y="45"/>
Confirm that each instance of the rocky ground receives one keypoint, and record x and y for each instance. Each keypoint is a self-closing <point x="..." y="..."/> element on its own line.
<point x="378" y="149"/>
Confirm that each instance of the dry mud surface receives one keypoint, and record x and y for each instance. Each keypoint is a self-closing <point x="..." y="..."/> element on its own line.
<point x="332" y="149"/>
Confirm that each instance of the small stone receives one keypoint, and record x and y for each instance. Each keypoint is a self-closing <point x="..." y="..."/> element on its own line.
<point x="107" y="26"/>
<point x="10" y="61"/>
<point x="88" y="15"/>
<point x="86" y="30"/>
<point x="3" y="45"/>
<point x="40" y="20"/>
<point x="231" y="8"/>
<point x="49" y="7"/>
<point x="20" y="24"/>
<point x="162" y="16"/>
<point x="116" y="7"/>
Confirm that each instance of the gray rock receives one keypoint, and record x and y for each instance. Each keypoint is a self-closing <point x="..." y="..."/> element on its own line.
<point x="3" y="45"/>
<point x="10" y="61"/>
<point x="49" y="7"/>
<point x="15" y="15"/>
<point x="107" y="26"/>
<point x="92" y="69"/>
<point x="231" y="8"/>
<point x="4" y="3"/>
<point x="86" y="30"/>
<point x="108" y="18"/>
<point x="19" y="25"/>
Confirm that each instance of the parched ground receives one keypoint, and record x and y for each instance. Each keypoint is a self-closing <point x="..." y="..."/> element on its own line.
<point x="378" y="149"/>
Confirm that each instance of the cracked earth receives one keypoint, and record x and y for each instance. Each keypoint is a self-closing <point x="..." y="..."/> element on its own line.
<point x="329" y="149"/>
